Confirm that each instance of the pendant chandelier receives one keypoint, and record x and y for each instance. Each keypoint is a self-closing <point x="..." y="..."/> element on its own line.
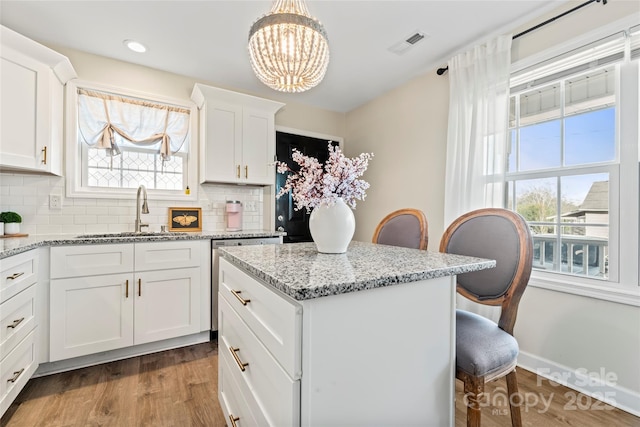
<point x="288" y="48"/>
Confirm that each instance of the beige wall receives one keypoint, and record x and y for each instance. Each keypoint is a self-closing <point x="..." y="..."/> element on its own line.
<point x="406" y="129"/>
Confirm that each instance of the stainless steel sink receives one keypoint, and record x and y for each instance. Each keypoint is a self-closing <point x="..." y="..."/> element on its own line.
<point x="124" y="234"/>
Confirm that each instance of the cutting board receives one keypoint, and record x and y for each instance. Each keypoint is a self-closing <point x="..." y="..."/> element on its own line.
<point x="6" y="236"/>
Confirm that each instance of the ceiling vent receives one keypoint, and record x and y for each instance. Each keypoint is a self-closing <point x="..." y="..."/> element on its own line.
<point x="410" y="41"/>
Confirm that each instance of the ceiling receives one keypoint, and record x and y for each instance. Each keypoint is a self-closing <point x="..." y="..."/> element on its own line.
<point x="207" y="40"/>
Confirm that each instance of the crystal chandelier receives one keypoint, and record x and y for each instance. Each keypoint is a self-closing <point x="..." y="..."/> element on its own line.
<point x="288" y="47"/>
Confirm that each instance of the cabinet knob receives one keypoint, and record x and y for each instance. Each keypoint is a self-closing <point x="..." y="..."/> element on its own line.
<point x="281" y="228"/>
<point x="280" y="217"/>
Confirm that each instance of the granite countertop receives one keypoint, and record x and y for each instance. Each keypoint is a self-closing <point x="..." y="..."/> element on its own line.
<point x="298" y="270"/>
<point x="14" y="245"/>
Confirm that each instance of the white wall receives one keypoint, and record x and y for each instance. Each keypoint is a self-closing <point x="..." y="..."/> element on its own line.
<point x="29" y="194"/>
<point x="406" y="129"/>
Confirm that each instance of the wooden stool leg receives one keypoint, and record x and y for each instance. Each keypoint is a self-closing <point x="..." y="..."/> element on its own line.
<point x="515" y="400"/>
<point x="473" y="391"/>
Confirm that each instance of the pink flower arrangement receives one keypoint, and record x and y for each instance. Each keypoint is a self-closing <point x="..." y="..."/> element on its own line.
<point x="314" y="185"/>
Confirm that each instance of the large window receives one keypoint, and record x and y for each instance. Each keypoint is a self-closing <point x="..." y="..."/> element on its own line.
<point x="121" y="140"/>
<point x="572" y="166"/>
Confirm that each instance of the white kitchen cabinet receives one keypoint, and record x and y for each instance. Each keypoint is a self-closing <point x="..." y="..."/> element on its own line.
<point x="167" y="304"/>
<point x="32" y="78"/>
<point x="237" y="136"/>
<point x="153" y="293"/>
<point x="90" y="314"/>
<point x="18" y="324"/>
<point x="381" y="356"/>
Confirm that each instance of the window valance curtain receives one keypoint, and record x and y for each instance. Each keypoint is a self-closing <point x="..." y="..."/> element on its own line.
<point x="112" y="122"/>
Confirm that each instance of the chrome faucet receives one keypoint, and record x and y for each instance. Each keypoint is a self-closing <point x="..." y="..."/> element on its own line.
<point x="145" y="208"/>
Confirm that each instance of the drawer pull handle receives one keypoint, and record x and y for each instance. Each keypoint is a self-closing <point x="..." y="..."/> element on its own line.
<point x="246" y="171"/>
<point x="242" y="300"/>
<point x="14" y="276"/>
<point x="238" y="171"/>
<point x="126" y="291"/>
<point x="233" y="420"/>
<point x="241" y="365"/>
<point x="44" y="155"/>
<point x="16" y="374"/>
<point x="15" y="323"/>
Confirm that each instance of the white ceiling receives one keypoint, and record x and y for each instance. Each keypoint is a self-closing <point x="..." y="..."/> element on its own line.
<point x="207" y="40"/>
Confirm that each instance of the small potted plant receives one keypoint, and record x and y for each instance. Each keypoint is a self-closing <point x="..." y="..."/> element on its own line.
<point x="11" y="222"/>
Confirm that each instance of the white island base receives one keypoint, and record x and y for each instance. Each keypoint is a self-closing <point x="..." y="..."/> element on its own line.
<point x="377" y="357"/>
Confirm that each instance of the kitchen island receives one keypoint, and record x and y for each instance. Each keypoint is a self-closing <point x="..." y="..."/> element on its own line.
<point x="362" y="338"/>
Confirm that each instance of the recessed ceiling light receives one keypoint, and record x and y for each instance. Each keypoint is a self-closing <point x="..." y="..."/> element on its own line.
<point x="135" y="46"/>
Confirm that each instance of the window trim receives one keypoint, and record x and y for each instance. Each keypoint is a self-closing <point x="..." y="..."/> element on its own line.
<point x="625" y="289"/>
<point x="73" y="150"/>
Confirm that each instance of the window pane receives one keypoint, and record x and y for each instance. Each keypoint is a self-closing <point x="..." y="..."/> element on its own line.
<point x="540" y="146"/>
<point x="134" y="168"/>
<point x="583" y="254"/>
<point x="590" y="137"/>
<point x="585" y="234"/>
<point x="591" y="91"/>
<point x="537" y="202"/>
<point x="540" y="105"/>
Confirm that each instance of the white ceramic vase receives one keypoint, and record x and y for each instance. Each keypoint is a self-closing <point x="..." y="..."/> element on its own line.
<point x="332" y="227"/>
<point x="11" y="228"/>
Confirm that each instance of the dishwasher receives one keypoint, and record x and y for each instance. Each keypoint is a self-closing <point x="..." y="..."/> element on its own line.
<point x="215" y="266"/>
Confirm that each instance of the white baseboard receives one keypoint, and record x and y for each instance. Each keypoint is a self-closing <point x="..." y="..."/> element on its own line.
<point x="599" y="385"/>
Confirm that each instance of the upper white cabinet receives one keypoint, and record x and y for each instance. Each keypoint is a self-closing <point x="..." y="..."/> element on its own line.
<point x="32" y="78"/>
<point x="237" y="134"/>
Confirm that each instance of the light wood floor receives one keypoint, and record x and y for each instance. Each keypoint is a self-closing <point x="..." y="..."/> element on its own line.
<point x="178" y="388"/>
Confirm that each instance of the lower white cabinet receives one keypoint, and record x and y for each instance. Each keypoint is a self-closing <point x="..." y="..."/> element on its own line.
<point x="383" y="356"/>
<point x="96" y="313"/>
<point x="18" y="324"/>
<point x="90" y="314"/>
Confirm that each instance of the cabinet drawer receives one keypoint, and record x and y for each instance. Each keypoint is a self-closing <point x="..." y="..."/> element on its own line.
<point x="18" y="272"/>
<point x="276" y="394"/>
<point x="233" y="397"/>
<point x="17" y="319"/>
<point x="164" y="255"/>
<point x="91" y="260"/>
<point x="16" y="369"/>
<point x="273" y="319"/>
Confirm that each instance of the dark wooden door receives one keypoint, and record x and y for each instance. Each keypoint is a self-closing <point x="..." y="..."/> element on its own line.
<point x="295" y="223"/>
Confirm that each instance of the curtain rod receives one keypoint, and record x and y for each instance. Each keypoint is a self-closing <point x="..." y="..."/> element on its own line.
<point x="443" y="70"/>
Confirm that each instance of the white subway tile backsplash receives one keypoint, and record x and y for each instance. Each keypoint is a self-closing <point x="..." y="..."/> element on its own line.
<point x="48" y="229"/>
<point x="29" y="196"/>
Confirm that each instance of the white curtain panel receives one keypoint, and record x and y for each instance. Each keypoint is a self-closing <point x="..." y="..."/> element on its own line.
<point x="477" y="132"/>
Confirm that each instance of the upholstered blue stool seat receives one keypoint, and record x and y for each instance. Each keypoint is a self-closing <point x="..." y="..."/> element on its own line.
<point x="482" y="348"/>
